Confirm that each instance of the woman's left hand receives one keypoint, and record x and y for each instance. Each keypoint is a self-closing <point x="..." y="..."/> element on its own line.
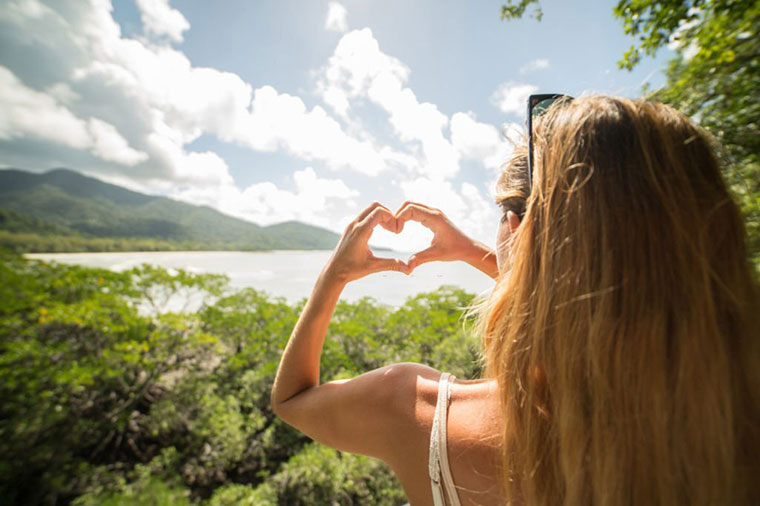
<point x="352" y="258"/>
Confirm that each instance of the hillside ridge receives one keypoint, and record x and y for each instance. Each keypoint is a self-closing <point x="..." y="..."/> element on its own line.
<point x="64" y="210"/>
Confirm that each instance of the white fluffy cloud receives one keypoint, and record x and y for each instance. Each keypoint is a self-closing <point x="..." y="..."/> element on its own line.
<point x="109" y="145"/>
<point x="466" y="206"/>
<point x="29" y="113"/>
<point x="482" y="141"/>
<point x="154" y="93"/>
<point x="358" y="69"/>
<point x="161" y="20"/>
<point x="356" y="62"/>
<point x="191" y="101"/>
<point x="281" y="120"/>
<point x="472" y="138"/>
<point x="199" y="169"/>
<point x="336" y="18"/>
<point x="534" y="65"/>
<point x="265" y="203"/>
<point x="140" y="102"/>
<point x="512" y="97"/>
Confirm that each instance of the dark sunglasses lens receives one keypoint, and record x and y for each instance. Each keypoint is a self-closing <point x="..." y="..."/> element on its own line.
<point x="542" y="106"/>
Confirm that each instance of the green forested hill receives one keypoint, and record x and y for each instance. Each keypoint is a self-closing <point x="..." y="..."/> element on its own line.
<point x="63" y="210"/>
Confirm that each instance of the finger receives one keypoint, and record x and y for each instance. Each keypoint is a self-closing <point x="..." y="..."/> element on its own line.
<point x="389" y="264"/>
<point x="413" y="212"/>
<point x="422" y="257"/>
<point x="380" y="215"/>
<point x="419" y="204"/>
<point x="367" y="210"/>
<point x="400" y="222"/>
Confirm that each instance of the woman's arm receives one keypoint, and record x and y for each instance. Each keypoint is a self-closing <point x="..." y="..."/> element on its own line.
<point x="352" y="259"/>
<point x="345" y="414"/>
<point x="380" y="413"/>
<point x="449" y="243"/>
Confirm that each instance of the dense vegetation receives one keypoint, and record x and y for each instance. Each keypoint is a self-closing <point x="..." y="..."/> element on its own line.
<point x="108" y="400"/>
<point x="62" y="210"/>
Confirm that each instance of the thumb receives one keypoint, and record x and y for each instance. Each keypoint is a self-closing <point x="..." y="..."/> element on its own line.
<point x="390" y="264"/>
<point x="422" y="257"/>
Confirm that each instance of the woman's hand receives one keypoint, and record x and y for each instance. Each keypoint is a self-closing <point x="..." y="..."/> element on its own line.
<point x="449" y="243"/>
<point x="352" y="258"/>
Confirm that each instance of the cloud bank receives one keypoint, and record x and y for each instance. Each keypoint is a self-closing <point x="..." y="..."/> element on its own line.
<point x="128" y="109"/>
<point x="336" y="18"/>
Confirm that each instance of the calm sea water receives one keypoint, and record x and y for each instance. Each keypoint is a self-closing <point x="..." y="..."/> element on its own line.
<point x="290" y="274"/>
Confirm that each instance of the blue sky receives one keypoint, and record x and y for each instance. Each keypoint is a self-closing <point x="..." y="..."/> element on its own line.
<point x="306" y="110"/>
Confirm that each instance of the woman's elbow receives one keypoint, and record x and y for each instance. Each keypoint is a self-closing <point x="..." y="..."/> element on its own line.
<point x="273" y="403"/>
<point x="276" y="400"/>
<point x="283" y="407"/>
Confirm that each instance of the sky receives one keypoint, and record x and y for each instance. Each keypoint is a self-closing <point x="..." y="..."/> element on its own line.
<point x="297" y="110"/>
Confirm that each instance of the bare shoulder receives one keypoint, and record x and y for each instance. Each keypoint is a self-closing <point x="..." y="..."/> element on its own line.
<point x="474" y="441"/>
<point x="410" y="393"/>
<point x="473" y="424"/>
<point x="475" y="413"/>
<point x="412" y="403"/>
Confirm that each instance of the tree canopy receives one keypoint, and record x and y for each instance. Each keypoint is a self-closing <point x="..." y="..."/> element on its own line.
<point x="110" y="398"/>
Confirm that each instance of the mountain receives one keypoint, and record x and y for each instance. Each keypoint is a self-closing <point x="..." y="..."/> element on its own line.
<point x="44" y="212"/>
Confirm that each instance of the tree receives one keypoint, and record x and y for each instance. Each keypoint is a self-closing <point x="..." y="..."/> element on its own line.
<point x="714" y="78"/>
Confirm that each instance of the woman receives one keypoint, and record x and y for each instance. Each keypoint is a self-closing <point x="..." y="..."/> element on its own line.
<point x="620" y="340"/>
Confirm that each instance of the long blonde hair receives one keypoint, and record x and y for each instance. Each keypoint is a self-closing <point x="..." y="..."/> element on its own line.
<point x="624" y="332"/>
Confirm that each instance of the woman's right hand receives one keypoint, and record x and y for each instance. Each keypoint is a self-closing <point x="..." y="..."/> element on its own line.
<point x="353" y="258"/>
<point x="448" y="244"/>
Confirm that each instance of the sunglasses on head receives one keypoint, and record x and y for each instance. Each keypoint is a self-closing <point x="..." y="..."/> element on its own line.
<point x="538" y="105"/>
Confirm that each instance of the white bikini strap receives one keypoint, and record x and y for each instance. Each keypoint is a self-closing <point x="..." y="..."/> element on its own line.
<point x="438" y="462"/>
<point x="448" y="480"/>
<point x="434" y="466"/>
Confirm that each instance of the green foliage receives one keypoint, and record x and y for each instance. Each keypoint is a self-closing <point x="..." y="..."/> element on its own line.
<point x="28" y="242"/>
<point x="515" y="9"/>
<point x="145" y="485"/>
<point x="321" y="475"/>
<point x="80" y="368"/>
<point x="241" y="495"/>
<point x="108" y="398"/>
<point x="145" y="492"/>
<point x="718" y="27"/>
<point x="62" y="210"/>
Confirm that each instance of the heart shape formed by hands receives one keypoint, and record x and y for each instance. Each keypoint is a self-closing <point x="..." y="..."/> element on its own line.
<point x="448" y="242"/>
<point x="353" y="257"/>
<point x="399" y="236"/>
<point x="447" y="239"/>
